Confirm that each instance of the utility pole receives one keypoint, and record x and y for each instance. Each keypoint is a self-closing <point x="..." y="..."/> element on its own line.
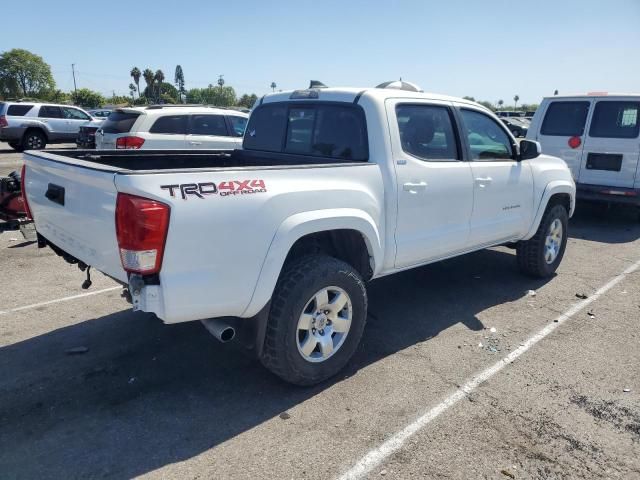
<point x="75" y="88"/>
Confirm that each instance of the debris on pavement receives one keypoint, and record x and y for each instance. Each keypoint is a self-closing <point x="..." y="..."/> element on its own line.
<point x="285" y="416"/>
<point x="591" y="314"/>
<point x="131" y="380"/>
<point x="531" y="293"/>
<point x="76" y="350"/>
<point x="383" y="473"/>
<point x="507" y="473"/>
<point x="582" y="296"/>
<point x="626" y="390"/>
<point x="493" y="330"/>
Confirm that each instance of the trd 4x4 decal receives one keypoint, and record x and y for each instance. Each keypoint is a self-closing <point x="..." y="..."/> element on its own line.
<point x="224" y="189"/>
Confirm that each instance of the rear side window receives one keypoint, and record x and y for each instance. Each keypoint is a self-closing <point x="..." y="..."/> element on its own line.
<point x="565" y="119"/>
<point x="238" y="125"/>
<point x="18" y="110"/>
<point x="615" y="120"/>
<point x="171" y="124"/>
<point x="208" y="125"/>
<point x="119" y="122"/>
<point x="47" y="111"/>
<point x="322" y="130"/>
<point x="426" y="132"/>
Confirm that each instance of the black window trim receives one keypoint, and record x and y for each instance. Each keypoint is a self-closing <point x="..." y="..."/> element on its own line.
<point x="467" y="145"/>
<point x="613" y="100"/>
<point x="186" y="126"/>
<point x="455" y="126"/>
<point x="298" y="103"/>
<point x="190" y="124"/>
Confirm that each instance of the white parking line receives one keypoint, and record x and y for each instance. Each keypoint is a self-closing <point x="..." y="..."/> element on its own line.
<point x="376" y="456"/>
<point x="57" y="300"/>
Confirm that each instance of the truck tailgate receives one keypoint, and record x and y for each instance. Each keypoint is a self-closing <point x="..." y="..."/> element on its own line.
<point x="73" y="207"/>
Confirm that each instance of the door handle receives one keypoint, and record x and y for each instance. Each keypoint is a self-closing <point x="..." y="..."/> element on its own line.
<point x="195" y="143"/>
<point x="414" y="187"/>
<point x="483" y="181"/>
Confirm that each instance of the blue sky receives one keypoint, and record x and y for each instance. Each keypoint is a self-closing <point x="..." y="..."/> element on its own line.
<point x="490" y="49"/>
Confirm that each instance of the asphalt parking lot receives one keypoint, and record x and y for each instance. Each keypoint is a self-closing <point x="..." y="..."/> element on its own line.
<point x="160" y="401"/>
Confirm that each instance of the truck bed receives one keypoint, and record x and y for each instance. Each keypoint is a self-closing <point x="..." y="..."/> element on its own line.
<point x="148" y="160"/>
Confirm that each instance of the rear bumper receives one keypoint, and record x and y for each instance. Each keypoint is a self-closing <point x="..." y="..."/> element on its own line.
<point x="600" y="193"/>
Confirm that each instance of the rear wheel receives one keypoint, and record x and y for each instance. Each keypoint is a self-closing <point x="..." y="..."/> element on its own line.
<point x="34" y="140"/>
<point x="541" y="255"/>
<point x="17" y="146"/>
<point x="318" y="314"/>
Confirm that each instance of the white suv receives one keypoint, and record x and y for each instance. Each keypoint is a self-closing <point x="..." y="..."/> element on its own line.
<point x="598" y="136"/>
<point x="172" y="127"/>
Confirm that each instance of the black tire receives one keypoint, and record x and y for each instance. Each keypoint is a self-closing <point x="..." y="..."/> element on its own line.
<point x="531" y="253"/>
<point x="17" y="146"/>
<point x="34" y="140"/>
<point x="296" y="286"/>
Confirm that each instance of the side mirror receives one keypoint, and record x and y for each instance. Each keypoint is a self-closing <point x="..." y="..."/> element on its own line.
<point x="529" y="149"/>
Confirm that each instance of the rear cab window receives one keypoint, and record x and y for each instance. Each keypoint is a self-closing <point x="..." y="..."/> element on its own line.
<point x="331" y="130"/>
<point x="565" y="119"/>
<point x="18" y="110"/>
<point x="119" y="122"/>
<point x="613" y="119"/>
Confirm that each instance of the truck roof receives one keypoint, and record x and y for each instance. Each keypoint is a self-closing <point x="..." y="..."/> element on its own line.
<point x="592" y="95"/>
<point x="349" y="94"/>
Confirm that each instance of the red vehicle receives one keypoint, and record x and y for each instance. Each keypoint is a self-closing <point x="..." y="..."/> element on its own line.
<point x="12" y="208"/>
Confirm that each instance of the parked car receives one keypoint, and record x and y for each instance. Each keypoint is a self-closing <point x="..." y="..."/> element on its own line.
<point x="172" y="127"/>
<point x="31" y="126"/>
<point x="598" y="136"/>
<point x="333" y="187"/>
<point x="509" y="113"/>
<point x="517" y="125"/>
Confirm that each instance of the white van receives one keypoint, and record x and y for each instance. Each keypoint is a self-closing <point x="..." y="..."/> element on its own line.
<point x="597" y="135"/>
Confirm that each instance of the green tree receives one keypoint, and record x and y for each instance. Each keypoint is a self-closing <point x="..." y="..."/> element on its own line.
<point x="179" y="81"/>
<point x="247" y="100"/>
<point x="55" y="95"/>
<point x="135" y="74"/>
<point x="487" y="104"/>
<point x="224" y="96"/>
<point x="167" y="89"/>
<point x="149" y="79"/>
<point x="159" y="78"/>
<point x="88" y="98"/>
<point x="515" y="102"/>
<point x="26" y="70"/>
<point x="132" y="90"/>
<point x="471" y="99"/>
<point x="500" y="104"/>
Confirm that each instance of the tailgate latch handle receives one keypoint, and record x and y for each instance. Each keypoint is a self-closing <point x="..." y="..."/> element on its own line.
<point x="55" y="193"/>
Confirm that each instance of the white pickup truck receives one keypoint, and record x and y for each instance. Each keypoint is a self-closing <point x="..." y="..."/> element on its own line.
<point x="333" y="187"/>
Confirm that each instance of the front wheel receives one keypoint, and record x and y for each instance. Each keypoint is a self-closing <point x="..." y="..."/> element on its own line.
<point x="541" y="254"/>
<point x="318" y="314"/>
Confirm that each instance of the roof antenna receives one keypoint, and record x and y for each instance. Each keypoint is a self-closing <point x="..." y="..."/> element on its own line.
<point x="316" y="84"/>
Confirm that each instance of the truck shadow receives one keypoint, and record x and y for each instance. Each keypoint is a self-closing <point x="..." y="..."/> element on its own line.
<point x="605" y="224"/>
<point x="146" y="395"/>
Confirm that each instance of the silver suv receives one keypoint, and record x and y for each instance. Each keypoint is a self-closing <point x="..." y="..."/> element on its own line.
<point x="31" y="126"/>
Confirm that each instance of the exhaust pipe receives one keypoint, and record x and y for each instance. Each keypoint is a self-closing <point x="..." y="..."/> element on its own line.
<point x="219" y="329"/>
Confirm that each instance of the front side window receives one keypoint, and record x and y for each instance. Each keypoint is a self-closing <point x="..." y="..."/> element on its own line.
<point x="306" y="128"/>
<point x="487" y="140"/>
<point x="615" y="120"/>
<point x="47" y="111"/>
<point x="209" y="125"/>
<point x="238" y="125"/>
<point x="74" y="114"/>
<point x="565" y="119"/>
<point x="171" y="124"/>
<point x="426" y="132"/>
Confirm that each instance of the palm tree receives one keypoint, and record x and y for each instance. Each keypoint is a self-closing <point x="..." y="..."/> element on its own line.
<point x="149" y="79"/>
<point x="135" y="73"/>
<point x="132" y="90"/>
<point x="555" y="92"/>
<point x="500" y="103"/>
<point x="273" y="86"/>
<point x="515" y="99"/>
<point x="159" y="77"/>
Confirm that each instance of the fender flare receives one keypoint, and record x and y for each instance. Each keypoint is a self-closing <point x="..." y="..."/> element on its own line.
<point x="552" y="188"/>
<point x="297" y="226"/>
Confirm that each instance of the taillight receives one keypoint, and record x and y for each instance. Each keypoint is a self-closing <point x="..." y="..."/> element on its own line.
<point x="575" y="142"/>
<point x="3" y="121"/>
<point x="23" y="191"/>
<point x="141" y="229"/>
<point x="129" y="143"/>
